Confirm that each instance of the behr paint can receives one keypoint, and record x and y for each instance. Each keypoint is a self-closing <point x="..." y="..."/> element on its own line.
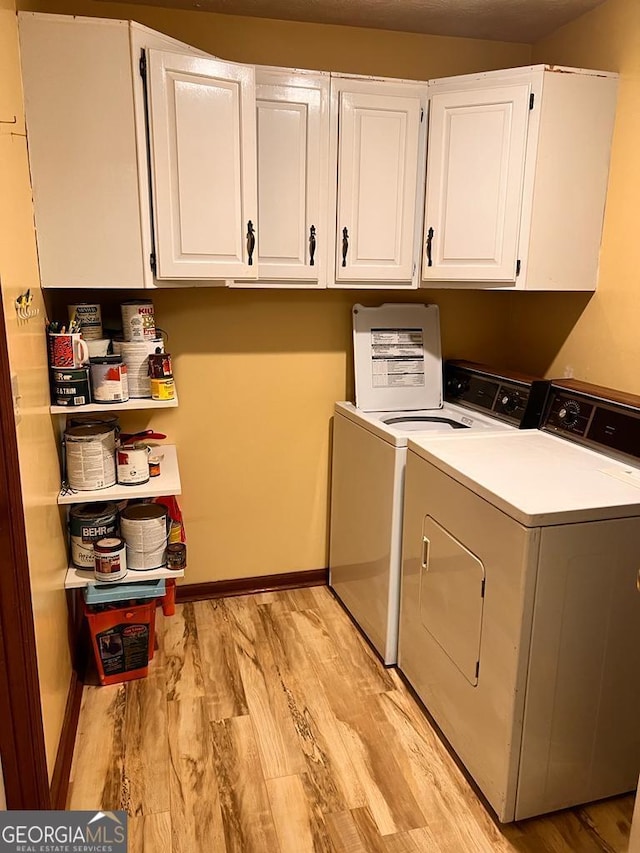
<point x="90" y="453"/>
<point x="132" y="461"/>
<point x="89" y="316"/>
<point x="144" y="530"/>
<point x="109" y="379"/>
<point x="138" y="320"/>
<point x="87" y="524"/>
<point x="110" y="559"/>
<point x="71" y="386"/>
<point x="135" y="355"/>
<point x="93" y="418"/>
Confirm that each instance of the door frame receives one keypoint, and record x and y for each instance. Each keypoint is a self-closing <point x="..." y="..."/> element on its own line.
<point x="22" y="744"/>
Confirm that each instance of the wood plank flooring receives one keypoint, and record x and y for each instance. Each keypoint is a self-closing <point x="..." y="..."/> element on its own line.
<point x="267" y="725"/>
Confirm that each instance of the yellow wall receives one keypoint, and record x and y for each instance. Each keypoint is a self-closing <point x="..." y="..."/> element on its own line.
<point x="597" y="339"/>
<point x="258" y="372"/>
<point x="36" y="440"/>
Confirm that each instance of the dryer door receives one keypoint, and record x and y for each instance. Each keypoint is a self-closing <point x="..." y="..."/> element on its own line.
<point x="452" y="597"/>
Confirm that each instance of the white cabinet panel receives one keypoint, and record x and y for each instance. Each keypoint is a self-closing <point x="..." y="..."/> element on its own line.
<point x="292" y="115"/>
<point x="202" y="149"/>
<point x="377" y="134"/>
<point x="477" y="144"/>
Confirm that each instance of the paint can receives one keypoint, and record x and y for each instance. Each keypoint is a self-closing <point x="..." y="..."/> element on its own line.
<point x="98" y="347"/>
<point x="160" y="366"/>
<point x="163" y="389"/>
<point x="110" y="559"/>
<point x="138" y="320"/>
<point x="71" y="386"/>
<point x="89" y="316"/>
<point x="90" y="453"/>
<point x="132" y="461"/>
<point x="154" y="464"/>
<point x="87" y="524"/>
<point x="144" y="530"/>
<point x="135" y="355"/>
<point x="177" y="556"/>
<point x="109" y="379"/>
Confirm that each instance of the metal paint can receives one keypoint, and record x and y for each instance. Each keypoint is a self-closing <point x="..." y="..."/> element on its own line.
<point x="110" y="559"/>
<point x="135" y="355"/>
<point x="109" y="379"/>
<point x="89" y="316"/>
<point x="90" y="453"/>
<point x="163" y="389"/>
<point x="160" y="366"/>
<point x="144" y="529"/>
<point x="154" y="464"/>
<point x="132" y="461"/>
<point x="71" y="386"/>
<point x="87" y="524"/>
<point x="138" y="320"/>
<point x="177" y="556"/>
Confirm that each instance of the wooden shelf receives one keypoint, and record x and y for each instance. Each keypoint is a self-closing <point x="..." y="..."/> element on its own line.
<point x="78" y="578"/>
<point x="132" y="404"/>
<point x="168" y="483"/>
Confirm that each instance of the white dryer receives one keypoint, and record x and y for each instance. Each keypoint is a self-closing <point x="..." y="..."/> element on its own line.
<point x="520" y="619"/>
<point x="398" y="373"/>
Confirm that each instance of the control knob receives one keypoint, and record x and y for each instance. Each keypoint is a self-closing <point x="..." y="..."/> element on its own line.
<point x="457" y="385"/>
<point x="508" y="401"/>
<point x="569" y="414"/>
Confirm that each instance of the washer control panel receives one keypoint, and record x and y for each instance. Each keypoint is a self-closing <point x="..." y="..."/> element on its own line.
<point x="600" y="418"/>
<point x="507" y="396"/>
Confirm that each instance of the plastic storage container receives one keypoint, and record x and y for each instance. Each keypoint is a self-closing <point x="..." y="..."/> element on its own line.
<point x="122" y="625"/>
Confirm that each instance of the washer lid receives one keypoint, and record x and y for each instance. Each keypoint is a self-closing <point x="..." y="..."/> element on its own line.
<point x="397" y="357"/>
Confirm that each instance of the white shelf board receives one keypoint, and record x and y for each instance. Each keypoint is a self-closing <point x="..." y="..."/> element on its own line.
<point x="168" y="483"/>
<point x="132" y="404"/>
<point x="79" y="578"/>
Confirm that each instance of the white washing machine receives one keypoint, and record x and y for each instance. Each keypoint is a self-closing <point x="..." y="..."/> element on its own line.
<point x="398" y="373"/>
<point x="520" y="619"/>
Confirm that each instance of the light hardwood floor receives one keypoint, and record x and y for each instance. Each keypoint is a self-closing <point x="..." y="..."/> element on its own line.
<point x="267" y="724"/>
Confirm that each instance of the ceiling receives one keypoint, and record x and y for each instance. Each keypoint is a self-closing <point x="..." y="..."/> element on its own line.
<point x="504" y="20"/>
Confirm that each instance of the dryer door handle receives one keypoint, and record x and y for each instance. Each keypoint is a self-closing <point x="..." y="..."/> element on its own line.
<point x="425" y="553"/>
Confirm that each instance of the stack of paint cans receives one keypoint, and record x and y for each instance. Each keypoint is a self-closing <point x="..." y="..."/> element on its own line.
<point x="161" y="373"/>
<point x="140" y="340"/>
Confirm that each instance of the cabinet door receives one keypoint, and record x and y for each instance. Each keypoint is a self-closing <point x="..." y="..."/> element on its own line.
<point x="379" y="176"/>
<point x="475" y="168"/>
<point x="292" y="117"/>
<point x="202" y="127"/>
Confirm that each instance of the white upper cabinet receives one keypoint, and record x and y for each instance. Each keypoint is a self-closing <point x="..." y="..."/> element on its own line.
<point x="292" y="116"/>
<point x="517" y="172"/>
<point x="477" y="145"/>
<point x="202" y="129"/>
<point x="377" y="138"/>
<point x="92" y="170"/>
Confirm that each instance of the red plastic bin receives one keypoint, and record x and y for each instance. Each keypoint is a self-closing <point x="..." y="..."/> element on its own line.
<point x="123" y="640"/>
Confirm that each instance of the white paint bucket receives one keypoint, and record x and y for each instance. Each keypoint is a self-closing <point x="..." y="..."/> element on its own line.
<point x="135" y="355"/>
<point x="138" y="320"/>
<point x="109" y="379"/>
<point x="87" y="524"/>
<point x="110" y="559"/>
<point x="132" y="461"/>
<point x="144" y="529"/>
<point x="90" y="454"/>
<point x="89" y="316"/>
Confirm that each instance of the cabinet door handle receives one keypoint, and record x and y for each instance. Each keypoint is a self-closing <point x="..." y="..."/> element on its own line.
<point x="251" y="241"/>
<point x="429" y="242"/>
<point x="425" y="553"/>
<point x="345" y="246"/>
<point x="312" y="244"/>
